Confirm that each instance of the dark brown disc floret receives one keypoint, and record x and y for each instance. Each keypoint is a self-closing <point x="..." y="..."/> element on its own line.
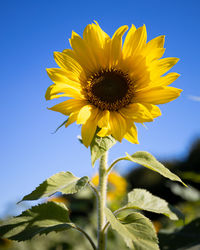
<point x="109" y="89"/>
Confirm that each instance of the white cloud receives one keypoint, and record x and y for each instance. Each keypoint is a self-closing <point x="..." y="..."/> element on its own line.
<point x="194" y="98"/>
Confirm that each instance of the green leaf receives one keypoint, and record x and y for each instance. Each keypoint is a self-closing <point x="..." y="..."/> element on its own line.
<point x="41" y="219"/>
<point x="185" y="238"/>
<point x="60" y="126"/>
<point x="191" y="176"/>
<point x="136" y="230"/>
<point x="149" y="161"/>
<point x="144" y="200"/>
<point x="188" y="194"/>
<point x="64" y="182"/>
<point x="99" y="146"/>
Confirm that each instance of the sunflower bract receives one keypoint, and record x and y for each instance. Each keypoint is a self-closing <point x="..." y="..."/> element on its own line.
<point x="111" y="86"/>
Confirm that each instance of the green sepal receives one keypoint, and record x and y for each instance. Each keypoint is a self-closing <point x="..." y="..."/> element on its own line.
<point x="60" y="126"/>
<point x="38" y="220"/>
<point x="143" y="200"/>
<point x="137" y="231"/>
<point x="186" y="237"/>
<point x="100" y="145"/>
<point x="149" y="161"/>
<point x="64" y="182"/>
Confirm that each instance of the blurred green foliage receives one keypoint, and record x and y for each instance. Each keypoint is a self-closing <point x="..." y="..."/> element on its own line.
<point x="182" y="234"/>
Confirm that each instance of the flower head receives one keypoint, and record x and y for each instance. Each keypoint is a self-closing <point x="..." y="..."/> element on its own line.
<point x="111" y="86"/>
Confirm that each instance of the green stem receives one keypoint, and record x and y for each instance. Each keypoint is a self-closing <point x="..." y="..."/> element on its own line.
<point x="102" y="201"/>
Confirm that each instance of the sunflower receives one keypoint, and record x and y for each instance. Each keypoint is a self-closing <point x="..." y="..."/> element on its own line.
<point x="116" y="185"/>
<point x="111" y="87"/>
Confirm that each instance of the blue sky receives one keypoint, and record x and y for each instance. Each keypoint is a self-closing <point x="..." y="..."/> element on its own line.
<point x="30" y="32"/>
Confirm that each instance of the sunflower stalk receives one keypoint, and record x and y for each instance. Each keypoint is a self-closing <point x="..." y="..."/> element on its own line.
<point x="102" y="201"/>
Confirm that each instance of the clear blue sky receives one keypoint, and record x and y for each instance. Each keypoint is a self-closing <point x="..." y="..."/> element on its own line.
<point x="30" y="32"/>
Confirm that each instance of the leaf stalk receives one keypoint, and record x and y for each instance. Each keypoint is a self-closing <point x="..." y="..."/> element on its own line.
<point x="86" y="235"/>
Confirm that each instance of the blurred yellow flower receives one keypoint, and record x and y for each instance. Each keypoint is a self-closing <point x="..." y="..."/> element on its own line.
<point x="116" y="185"/>
<point x="60" y="198"/>
<point x="5" y="243"/>
<point x="157" y="226"/>
<point x="112" y="86"/>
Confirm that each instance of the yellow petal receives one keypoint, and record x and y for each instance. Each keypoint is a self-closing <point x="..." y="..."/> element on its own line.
<point x="104" y="119"/>
<point x="89" y="128"/>
<point x="131" y="135"/>
<point x="84" y="114"/>
<point x="93" y="35"/>
<point x="95" y="39"/>
<point x="69" y="91"/>
<point x="157" y="42"/>
<point x="160" y="82"/>
<point x="135" y="42"/>
<point x="159" y="67"/>
<point x="128" y="40"/>
<point x="72" y="118"/>
<point x="83" y="53"/>
<point x="154" y="55"/>
<point x="168" y="79"/>
<point x="153" y="109"/>
<point x="82" y="76"/>
<point x="154" y="49"/>
<point x="67" y="62"/>
<point x="102" y="35"/>
<point x="99" y="43"/>
<point x="116" y="45"/>
<point x="118" y="125"/>
<point x="105" y="131"/>
<point x="157" y="95"/>
<point x="63" y="76"/>
<point x="57" y="75"/>
<point x="69" y="106"/>
<point x="137" y="112"/>
<point x="104" y="123"/>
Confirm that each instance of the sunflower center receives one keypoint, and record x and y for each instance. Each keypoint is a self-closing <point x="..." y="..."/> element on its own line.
<point x="109" y="89"/>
